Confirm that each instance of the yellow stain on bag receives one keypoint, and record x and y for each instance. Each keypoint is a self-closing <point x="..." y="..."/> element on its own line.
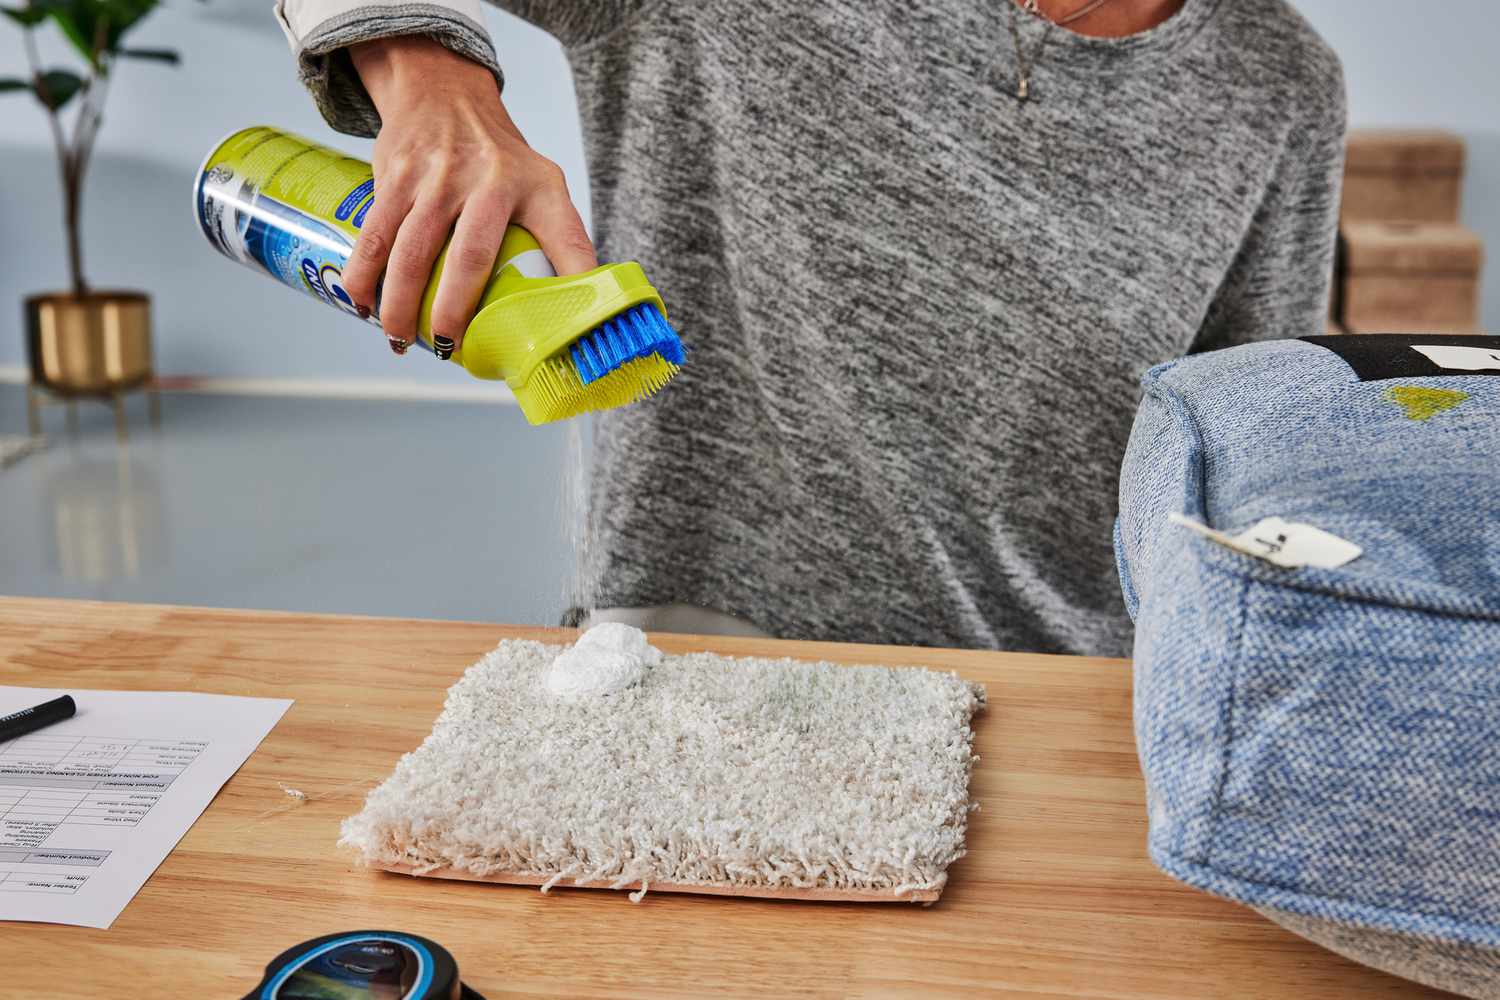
<point x="1423" y="404"/>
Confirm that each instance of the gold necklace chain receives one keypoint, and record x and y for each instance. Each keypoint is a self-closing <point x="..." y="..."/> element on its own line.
<point x="1032" y="7"/>
<point x="1024" y="63"/>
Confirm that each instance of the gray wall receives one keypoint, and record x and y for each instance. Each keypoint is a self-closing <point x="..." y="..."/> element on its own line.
<point x="215" y="319"/>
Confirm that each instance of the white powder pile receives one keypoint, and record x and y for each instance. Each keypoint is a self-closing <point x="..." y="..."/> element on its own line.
<point x="691" y="770"/>
<point x="605" y="659"/>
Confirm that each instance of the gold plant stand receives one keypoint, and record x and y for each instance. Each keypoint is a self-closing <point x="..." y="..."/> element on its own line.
<point x="39" y="396"/>
<point x="91" y="346"/>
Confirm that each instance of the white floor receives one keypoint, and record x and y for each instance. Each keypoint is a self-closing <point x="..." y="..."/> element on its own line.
<point x="425" y="509"/>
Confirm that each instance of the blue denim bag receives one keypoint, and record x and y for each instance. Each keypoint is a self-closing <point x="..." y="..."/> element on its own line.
<point x="1323" y="744"/>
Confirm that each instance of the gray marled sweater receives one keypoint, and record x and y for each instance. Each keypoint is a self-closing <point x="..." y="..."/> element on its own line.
<point x="917" y="307"/>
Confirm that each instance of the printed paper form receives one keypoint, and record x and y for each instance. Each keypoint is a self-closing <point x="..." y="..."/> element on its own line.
<point x="90" y="806"/>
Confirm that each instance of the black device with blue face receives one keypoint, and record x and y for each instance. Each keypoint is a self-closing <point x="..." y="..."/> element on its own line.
<point x="363" y="965"/>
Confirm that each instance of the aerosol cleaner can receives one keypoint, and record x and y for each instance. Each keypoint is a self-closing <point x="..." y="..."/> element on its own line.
<point x="292" y="208"/>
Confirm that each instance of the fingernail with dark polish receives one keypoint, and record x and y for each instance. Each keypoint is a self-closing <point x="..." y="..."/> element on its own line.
<point x="361" y="312"/>
<point x="398" y="346"/>
<point x="442" y="347"/>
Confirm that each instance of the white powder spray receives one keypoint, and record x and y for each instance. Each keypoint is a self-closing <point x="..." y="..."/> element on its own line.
<point x="582" y="584"/>
<point x="608" y="657"/>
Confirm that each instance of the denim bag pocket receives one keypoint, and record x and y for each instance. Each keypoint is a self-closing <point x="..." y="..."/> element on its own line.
<point x="1323" y="744"/>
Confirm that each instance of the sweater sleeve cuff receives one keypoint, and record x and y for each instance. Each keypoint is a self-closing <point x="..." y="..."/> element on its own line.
<point x="321" y="31"/>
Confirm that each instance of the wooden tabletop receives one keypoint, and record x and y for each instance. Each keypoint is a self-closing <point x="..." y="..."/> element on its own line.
<point x="1056" y="898"/>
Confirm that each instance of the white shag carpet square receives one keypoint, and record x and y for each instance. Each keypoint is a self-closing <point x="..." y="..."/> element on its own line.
<point x="735" y="774"/>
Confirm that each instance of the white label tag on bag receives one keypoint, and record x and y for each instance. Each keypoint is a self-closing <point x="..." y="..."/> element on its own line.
<point x="1460" y="359"/>
<point x="1284" y="543"/>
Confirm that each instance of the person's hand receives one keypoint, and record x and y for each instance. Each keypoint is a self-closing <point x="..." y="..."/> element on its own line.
<point x="448" y="159"/>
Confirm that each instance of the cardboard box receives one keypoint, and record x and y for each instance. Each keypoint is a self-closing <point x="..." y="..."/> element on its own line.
<point x="1403" y="175"/>
<point x="1410" y="277"/>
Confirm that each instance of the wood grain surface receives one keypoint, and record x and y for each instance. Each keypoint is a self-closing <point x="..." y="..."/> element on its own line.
<point x="1056" y="898"/>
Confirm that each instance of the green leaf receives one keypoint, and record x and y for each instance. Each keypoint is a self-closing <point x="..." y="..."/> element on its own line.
<point x="101" y="23"/>
<point x="160" y="55"/>
<point x="13" y="83"/>
<point x="76" y="23"/>
<point x="124" y="15"/>
<point x="27" y="17"/>
<point x="60" y="87"/>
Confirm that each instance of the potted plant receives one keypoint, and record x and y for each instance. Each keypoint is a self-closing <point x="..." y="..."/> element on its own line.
<point x="83" y="341"/>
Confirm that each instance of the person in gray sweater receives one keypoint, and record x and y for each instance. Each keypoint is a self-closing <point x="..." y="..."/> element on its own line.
<point x="920" y="255"/>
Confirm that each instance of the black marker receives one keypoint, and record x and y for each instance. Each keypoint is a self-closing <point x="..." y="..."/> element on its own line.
<point x="29" y="720"/>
